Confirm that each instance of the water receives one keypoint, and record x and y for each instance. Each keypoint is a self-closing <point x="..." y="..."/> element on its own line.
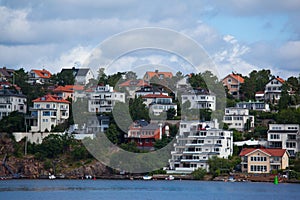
<point x="114" y="189"/>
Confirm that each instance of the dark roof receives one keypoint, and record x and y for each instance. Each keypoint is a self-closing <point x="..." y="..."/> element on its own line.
<point x="6" y="72"/>
<point x="149" y="89"/>
<point x="77" y="71"/>
<point x="142" y="122"/>
<point x="7" y="92"/>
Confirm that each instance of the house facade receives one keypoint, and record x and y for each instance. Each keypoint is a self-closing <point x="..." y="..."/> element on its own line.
<point x="262" y="160"/>
<point x="238" y="118"/>
<point x="199" y="99"/>
<point x="196" y="143"/>
<point x="39" y="76"/>
<point x="131" y="86"/>
<point x="273" y="90"/>
<point x="11" y="101"/>
<point x="68" y="91"/>
<point x="102" y="98"/>
<point x="233" y="83"/>
<point x="47" y="112"/>
<point x="145" y="134"/>
<point x="285" y="136"/>
<point x="159" y="103"/>
<point x="258" y="106"/>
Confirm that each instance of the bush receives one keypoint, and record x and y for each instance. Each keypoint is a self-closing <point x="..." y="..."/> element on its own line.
<point x="199" y="174"/>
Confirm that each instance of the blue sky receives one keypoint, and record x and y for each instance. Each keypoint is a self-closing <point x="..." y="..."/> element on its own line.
<point x="238" y="35"/>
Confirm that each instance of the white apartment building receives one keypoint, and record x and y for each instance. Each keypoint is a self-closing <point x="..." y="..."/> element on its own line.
<point x="103" y="99"/>
<point x="196" y="143"/>
<point x="237" y="118"/>
<point x="10" y="102"/>
<point x="200" y="100"/>
<point x="258" y="106"/>
<point x="47" y="112"/>
<point x="285" y="136"/>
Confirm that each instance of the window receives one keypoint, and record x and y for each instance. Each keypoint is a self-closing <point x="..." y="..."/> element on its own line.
<point x="46" y="113"/>
<point x="47" y="105"/>
<point x="290" y="144"/>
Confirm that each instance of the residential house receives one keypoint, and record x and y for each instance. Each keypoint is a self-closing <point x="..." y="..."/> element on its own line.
<point x="145" y="134"/>
<point x="262" y="160"/>
<point x="93" y="124"/>
<point x="257" y="106"/>
<point x="39" y="76"/>
<point x="47" y="112"/>
<point x="285" y="136"/>
<point x="273" y="90"/>
<point x="68" y="91"/>
<point x="238" y="118"/>
<point x="150" y="90"/>
<point x="260" y="96"/>
<point x="131" y="86"/>
<point x="159" y="103"/>
<point x="160" y="75"/>
<point x="199" y="99"/>
<point x="6" y="74"/>
<point x="102" y="98"/>
<point x="11" y="101"/>
<point x="82" y="75"/>
<point x="196" y="143"/>
<point x="233" y="83"/>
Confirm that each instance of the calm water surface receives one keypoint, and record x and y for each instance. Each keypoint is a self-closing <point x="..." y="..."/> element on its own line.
<point x="113" y="189"/>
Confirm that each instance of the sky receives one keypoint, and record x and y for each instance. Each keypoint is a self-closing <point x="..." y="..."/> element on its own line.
<point x="238" y="36"/>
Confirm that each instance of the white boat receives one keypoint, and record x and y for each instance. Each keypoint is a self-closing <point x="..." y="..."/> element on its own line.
<point x="147" y="177"/>
<point x="170" y="178"/>
<point x="51" y="176"/>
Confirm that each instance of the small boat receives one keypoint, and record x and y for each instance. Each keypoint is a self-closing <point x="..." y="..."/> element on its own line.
<point x="170" y="178"/>
<point x="231" y="179"/>
<point x="147" y="177"/>
<point x="51" y="176"/>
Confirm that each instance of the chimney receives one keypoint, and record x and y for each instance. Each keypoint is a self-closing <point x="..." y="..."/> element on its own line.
<point x="156" y="71"/>
<point x="160" y="130"/>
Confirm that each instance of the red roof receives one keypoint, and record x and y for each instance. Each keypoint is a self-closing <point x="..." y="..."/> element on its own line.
<point x="68" y="88"/>
<point x="155" y="96"/>
<point x="51" y="98"/>
<point x="134" y="83"/>
<point x="42" y="73"/>
<point x="260" y="92"/>
<point x="271" y="152"/>
<point x="237" y="77"/>
<point x="280" y="80"/>
<point x="157" y="73"/>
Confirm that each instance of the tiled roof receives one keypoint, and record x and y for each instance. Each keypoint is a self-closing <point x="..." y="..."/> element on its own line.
<point x="280" y="80"/>
<point x="156" y="96"/>
<point x="68" y="88"/>
<point x="271" y="152"/>
<point x="260" y="92"/>
<point x="157" y="73"/>
<point x="51" y="98"/>
<point x="42" y="73"/>
<point x="134" y="83"/>
<point x="238" y="78"/>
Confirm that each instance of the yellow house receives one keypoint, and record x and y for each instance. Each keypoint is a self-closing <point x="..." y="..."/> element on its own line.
<point x="262" y="160"/>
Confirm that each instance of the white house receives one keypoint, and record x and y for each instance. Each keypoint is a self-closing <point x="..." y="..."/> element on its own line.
<point x="159" y="103"/>
<point x="273" y="90"/>
<point x="258" y="106"/>
<point x="39" y="76"/>
<point x="103" y="98"/>
<point x="82" y="75"/>
<point x="149" y="90"/>
<point x="238" y="118"/>
<point x="47" y="112"/>
<point x="10" y="102"/>
<point x="199" y="99"/>
<point x="196" y="143"/>
<point x="285" y="136"/>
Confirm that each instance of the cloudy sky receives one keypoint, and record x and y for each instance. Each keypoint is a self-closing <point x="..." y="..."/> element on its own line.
<point x="237" y="35"/>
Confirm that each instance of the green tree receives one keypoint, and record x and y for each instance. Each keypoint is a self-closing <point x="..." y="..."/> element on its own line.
<point x="284" y="100"/>
<point x="14" y="122"/>
<point x="171" y="113"/>
<point x="114" y="135"/>
<point x="138" y="109"/>
<point x="199" y="174"/>
<point x="288" y="116"/>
